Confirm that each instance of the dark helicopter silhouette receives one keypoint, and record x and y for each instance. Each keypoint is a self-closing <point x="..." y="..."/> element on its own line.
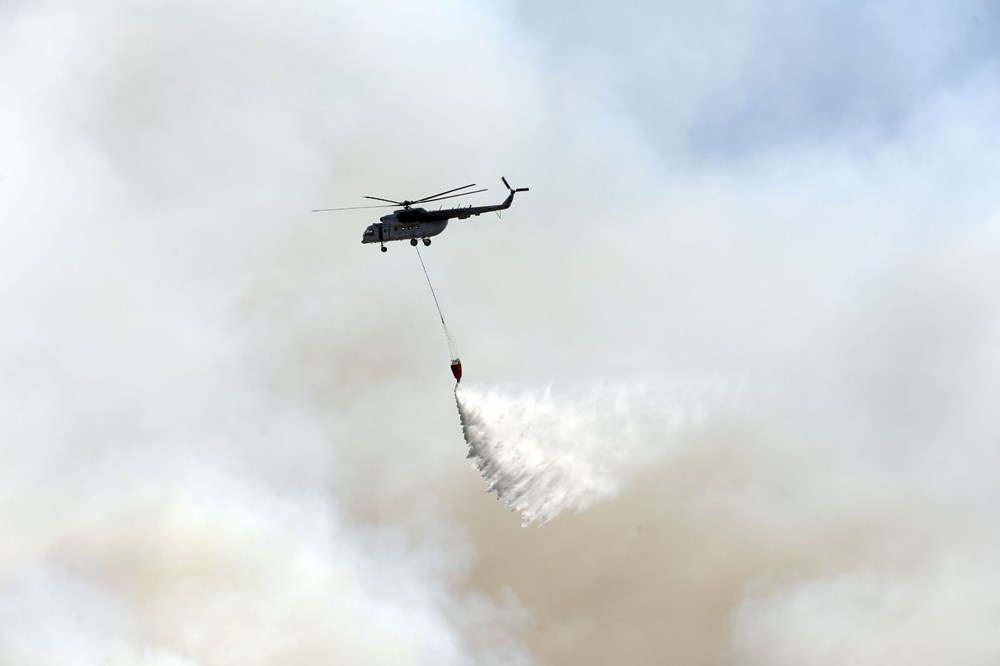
<point x="408" y="223"/>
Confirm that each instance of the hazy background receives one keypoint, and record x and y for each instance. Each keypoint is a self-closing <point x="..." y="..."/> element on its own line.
<point x="227" y="433"/>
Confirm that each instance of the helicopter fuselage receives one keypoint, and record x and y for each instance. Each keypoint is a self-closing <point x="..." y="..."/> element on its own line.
<point x="403" y="225"/>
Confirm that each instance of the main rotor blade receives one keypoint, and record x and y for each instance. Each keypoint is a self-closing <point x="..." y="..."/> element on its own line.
<point x="320" y="210"/>
<point x="435" y="196"/>
<point x="451" y="197"/>
<point x="390" y="203"/>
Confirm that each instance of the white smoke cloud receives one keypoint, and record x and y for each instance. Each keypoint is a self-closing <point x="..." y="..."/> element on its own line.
<point x="199" y="566"/>
<point x="226" y="430"/>
<point x="173" y="490"/>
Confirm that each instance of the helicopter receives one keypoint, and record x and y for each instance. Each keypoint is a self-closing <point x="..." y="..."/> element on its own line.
<point x="418" y="223"/>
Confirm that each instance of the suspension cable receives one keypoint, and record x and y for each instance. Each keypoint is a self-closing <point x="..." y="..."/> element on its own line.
<point x="451" y="344"/>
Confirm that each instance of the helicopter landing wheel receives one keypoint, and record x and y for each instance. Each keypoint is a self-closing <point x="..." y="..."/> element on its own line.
<point x="385" y="249"/>
<point x="413" y="242"/>
<point x="427" y="241"/>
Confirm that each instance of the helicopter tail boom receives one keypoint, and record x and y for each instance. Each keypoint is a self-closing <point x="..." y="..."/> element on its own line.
<point x="465" y="213"/>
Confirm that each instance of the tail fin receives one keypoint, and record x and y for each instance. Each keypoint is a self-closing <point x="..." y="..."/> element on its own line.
<point x="510" y="197"/>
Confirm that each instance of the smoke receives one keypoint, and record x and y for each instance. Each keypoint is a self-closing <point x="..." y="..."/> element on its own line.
<point x="226" y="428"/>
<point x="185" y="372"/>
<point x="543" y="455"/>
<point x="198" y="565"/>
<point x="803" y="527"/>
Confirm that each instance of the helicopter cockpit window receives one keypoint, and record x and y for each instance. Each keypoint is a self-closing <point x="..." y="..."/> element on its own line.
<point x="369" y="232"/>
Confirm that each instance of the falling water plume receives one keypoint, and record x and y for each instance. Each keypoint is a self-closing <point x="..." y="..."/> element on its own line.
<point x="543" y="454"/>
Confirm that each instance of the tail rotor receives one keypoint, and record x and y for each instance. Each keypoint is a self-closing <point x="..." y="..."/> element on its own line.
<point x="512" y="190"/>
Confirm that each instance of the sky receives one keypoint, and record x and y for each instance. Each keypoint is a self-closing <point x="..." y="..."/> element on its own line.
<point x="732" y="360"/>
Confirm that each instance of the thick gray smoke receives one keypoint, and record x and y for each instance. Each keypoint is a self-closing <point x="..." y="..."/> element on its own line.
<point x="227" y="432"/>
